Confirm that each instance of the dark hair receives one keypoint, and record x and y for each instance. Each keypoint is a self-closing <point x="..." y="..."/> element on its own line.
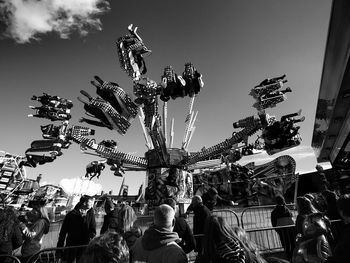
<point x="8" y="218"/>
<point x="343" y="204"/>
<point x="85" y="198"/>
<point x="107" y="248"/>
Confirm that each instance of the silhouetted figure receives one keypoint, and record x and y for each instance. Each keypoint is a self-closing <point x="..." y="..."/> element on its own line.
<point x="182" y="228"/>
<point x="282" y="216"/>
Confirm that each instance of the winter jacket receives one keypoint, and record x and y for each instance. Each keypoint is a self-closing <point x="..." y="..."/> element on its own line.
<point x="158" y="246"/>
<point x="201" y="213"/>
<point x="77" y="229"/>
<point x="184" y="231"/>
<point x="32" y="240"/>
<point x="110" y="220"/>
<point x="14" y="241"/>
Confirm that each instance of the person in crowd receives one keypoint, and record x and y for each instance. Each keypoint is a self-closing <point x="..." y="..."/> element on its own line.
<point x="10" y="232"/>
<point x="211" y="198"/>
<point x="251" y="251"/>
<point x="182" y="228"/>
<point x="109" y="247"/>
<point x="125" y="225"/>
<point x="314" y="237"/>
<point x="111" y="217"/>
<point x="90" y="214"/>
<point x="201" y="213"/>
<point x="341" y="252"/>
<point x="77" y="229"/>
<point x="331" y="201"/>
<point x="159" y="242"/>
<point x="220" y="243"/>
<point x="304" y="207"/>
<point x="37" y="226"/>
<point x="332" y="212"/>
<point x="282" y="216"/>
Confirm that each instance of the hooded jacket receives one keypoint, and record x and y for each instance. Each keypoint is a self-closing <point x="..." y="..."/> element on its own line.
<point x="158" y="245"/>
<point x="76" y="230"/>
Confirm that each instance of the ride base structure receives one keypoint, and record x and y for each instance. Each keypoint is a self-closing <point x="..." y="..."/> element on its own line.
<point x="169" y="170"/>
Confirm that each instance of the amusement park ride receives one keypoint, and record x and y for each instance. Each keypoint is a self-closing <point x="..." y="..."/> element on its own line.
<point x="171" y="171"/>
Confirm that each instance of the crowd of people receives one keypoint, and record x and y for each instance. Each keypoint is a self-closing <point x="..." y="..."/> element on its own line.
<point x="312" y="238"/>
<point x="320" y="232"/>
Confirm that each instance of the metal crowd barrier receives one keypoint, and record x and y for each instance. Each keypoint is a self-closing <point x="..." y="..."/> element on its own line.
<point x="230" y="217"/>
<point x="49" y="255"/>
<point x="9" y="259"/>
<point x="269" y="241"/>
<point x="257" y="217"/>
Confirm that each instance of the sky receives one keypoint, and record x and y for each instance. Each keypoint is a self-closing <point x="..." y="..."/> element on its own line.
<point x="58" y="47"/>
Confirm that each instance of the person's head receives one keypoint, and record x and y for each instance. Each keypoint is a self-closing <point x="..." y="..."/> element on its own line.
<point x="196" y="200"/>
<point x="280" y="200"/>
<point x="305" y="206"/>
<point x="343" y="205"/>
<point x="109" y="205"/>
<point x="87" y="200"/>
<point x="33" y="215"/>
<point x="107" y="248"/>
<point x="164" y="217"/>
<point x="126" y="218"/>
<point x="319" y="168"/>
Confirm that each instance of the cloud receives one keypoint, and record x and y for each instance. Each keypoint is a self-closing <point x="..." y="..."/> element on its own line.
<point x="80" y="186"/>
<point x="27" y="19"/>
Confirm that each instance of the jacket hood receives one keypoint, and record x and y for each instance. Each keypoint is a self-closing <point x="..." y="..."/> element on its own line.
<point x="155" y="238"/>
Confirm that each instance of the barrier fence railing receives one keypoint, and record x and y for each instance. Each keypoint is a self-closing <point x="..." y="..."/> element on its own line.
<point x="230" y="216"/>
<point x="52" y="255"/>
<point x="267" y="238"/>
<point x="9" y="259"/>
<point x="256" y="217"/>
